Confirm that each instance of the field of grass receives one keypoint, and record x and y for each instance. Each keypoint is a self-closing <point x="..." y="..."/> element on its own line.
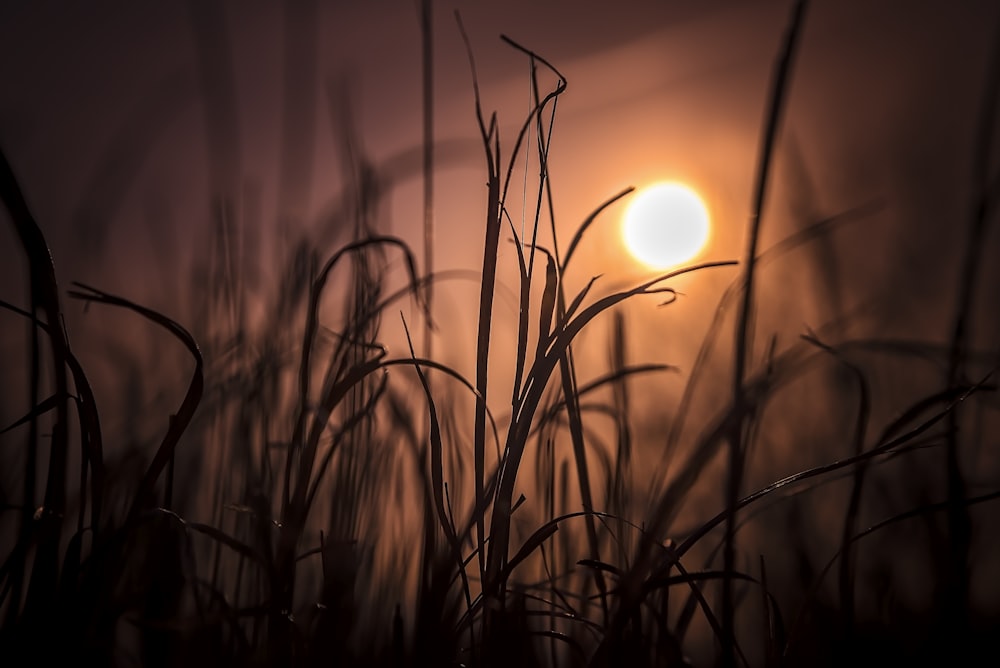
<point x="283" y="485"/>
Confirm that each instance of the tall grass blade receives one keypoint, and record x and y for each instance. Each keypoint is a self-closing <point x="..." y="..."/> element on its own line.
<point x="44" y="301"/>
<point x="956" y="588"/>
<point x="491" y="146"/>
<point x="744" y="318"/>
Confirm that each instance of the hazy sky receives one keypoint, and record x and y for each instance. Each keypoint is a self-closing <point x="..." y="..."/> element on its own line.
<point x="100" y="106"/>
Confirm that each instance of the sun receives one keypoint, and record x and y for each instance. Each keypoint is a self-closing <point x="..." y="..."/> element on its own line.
<point x="665" y="224"/>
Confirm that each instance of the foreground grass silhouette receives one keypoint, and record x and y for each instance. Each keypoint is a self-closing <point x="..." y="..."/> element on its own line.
<point x="305" y="507"/>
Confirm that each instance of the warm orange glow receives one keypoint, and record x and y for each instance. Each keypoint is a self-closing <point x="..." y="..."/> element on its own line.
<point x="666" y="224"/>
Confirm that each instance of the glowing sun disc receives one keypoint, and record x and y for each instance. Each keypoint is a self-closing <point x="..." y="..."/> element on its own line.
<point x="666" y="224"/>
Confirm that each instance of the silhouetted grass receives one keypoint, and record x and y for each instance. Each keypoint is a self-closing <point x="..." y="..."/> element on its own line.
<point x="303" y="506"/>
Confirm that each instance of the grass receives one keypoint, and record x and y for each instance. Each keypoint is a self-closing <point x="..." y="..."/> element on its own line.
<point x="313" y="500"/>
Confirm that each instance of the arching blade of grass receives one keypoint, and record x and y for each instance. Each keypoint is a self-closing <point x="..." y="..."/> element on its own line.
<point x="539" y="105"/>
<point x="305" y="436"/>
<point x="185" y="413"/>
<point x="582" y="229"/>
<point x="355" y="357"/>
<point x="44" y="295"/>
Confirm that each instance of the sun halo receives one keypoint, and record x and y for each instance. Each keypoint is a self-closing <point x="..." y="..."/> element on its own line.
<point x="665" y="225"/>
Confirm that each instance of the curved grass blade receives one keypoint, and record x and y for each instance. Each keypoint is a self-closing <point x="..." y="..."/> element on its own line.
<point x="182" y="418"/>
<point x="582" y="229"/>
<point x="45" y="300"/>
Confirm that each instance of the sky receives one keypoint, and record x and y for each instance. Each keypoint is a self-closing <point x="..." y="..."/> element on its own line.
<point x="123" y="121"/>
